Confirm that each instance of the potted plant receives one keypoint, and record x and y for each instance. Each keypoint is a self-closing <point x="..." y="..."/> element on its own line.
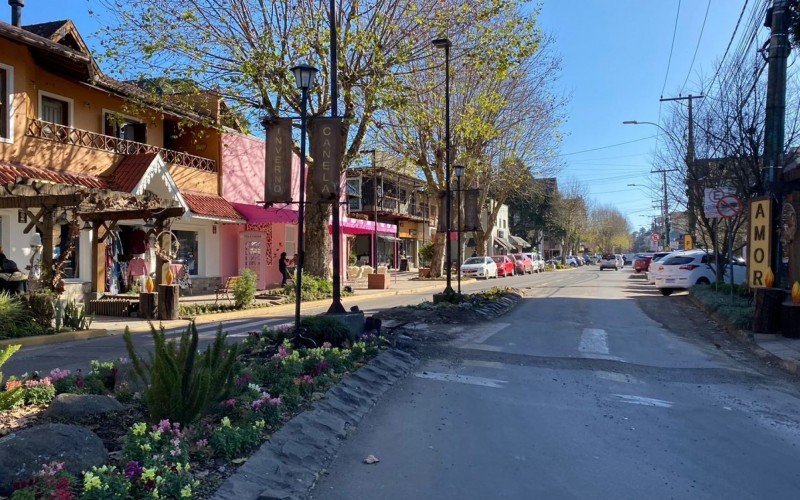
<point x="425" y="258"/>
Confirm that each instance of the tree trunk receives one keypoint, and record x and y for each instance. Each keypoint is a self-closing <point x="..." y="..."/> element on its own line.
<point x="481" y="239"/>
<point x="437" y="263"/>
<point x="317" y="241"/>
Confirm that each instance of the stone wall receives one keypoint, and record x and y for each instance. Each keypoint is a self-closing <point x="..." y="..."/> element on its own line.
<point x="203" y="286"/>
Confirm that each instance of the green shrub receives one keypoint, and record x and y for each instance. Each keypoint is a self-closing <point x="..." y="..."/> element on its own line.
<point x="244" y="289"/>
<point x="15" y="320"/>
<point x="40" y="307"/>
<point x="737" y="309"/>
<point x="182" y="383"/>
<point x="426" y="253"/>
<point x="313" y="288"/>
<point x="9" y="399"/>
<point x="325" y="329"/>
<point x="39" y="394"/>
<point x="230" y="442"/>
<point x="75" y="317"/>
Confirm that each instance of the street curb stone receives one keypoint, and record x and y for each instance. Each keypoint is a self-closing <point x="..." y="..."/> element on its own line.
<point x="498" y="308"/>
<point x="287" y="466"/>
<point x="748" y="338"/>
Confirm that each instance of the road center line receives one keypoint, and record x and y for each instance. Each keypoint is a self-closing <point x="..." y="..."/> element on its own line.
<point x="463" y="379"/>
<point x="594" y="341"/>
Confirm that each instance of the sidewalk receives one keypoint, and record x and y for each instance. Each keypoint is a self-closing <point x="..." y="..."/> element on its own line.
<point x="402" y="284"/>
<point x="785" y="349"/>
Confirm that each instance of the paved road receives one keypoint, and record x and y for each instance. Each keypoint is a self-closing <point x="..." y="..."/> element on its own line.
<point x="580" y="393"/>
<point x="72" y="355"/>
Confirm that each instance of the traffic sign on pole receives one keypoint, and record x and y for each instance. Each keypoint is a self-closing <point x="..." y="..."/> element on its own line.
<point x="729" y="206"/>
<point x="655" y="237"/>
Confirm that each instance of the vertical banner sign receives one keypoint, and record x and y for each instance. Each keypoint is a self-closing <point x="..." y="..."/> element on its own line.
<point x="472" y="218"/>
<point x="278" y="178"/>
<point x="759" y="248"/>
<point x="327" y="147"/>
<point x="441" y="227"/>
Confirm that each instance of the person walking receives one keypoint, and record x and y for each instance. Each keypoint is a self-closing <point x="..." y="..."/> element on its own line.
<point x="282" y="267"/>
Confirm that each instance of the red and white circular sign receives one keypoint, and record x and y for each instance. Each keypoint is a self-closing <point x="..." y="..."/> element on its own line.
<point x="729" y="206"/>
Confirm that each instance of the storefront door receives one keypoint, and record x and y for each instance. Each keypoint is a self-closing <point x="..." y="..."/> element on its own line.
<point x="252" y="245"/>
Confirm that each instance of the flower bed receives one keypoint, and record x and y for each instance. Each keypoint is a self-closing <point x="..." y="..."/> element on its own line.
<point x="230" y="399"/>
<point x="737" y="309"/>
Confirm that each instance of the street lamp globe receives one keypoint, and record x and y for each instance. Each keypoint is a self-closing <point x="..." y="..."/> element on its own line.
<point x="459" y="170"/>
<point x="304" y="75"/>
<point x="441" y="43"/>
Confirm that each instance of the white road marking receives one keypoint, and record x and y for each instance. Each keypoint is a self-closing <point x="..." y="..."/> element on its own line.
<point x="463" y="379"/>
<point x="594" y="341"/>
<point x="641" y="400"/>
<point x="617" y="377"/>
<point x="484" y="364"/>
<point x="482" y="347"/>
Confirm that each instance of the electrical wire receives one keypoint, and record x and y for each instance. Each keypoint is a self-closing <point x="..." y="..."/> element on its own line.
<point x="696" y="48"/>
<point x="671" y="47"/>
<point x="730" y="42"/>
<point x="606" y="147"/>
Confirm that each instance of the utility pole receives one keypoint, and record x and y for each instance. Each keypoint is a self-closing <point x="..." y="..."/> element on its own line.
<point x="691" y="177"/>
<point x="666" y="204"/>
<point x="775" y="119"/>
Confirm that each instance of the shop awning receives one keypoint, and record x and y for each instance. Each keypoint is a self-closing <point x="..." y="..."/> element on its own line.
<point x="206" y="206"/>
<point x="359" y="226"/>
<point x="519" y="241"/>
<point x="257" y="214"/>
<point x="503" y="243"/>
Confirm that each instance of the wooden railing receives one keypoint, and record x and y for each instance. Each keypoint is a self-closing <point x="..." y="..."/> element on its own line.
<point x="83" y="138"/>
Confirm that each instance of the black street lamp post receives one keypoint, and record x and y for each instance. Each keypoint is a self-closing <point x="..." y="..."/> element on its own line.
<point x="444" y="43"/>
<point x="304" y="78"/>
<point x="459" y="173"/>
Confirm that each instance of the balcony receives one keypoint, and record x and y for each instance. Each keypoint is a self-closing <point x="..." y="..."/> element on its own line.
<point x="92" y="140"/>
<point x="394" y="207"/>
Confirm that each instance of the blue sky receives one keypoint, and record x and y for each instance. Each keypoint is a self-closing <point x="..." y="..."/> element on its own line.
<point x="614" y="56"/>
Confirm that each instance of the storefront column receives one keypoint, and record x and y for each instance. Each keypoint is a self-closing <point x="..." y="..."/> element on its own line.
<point x="98" y="261"/>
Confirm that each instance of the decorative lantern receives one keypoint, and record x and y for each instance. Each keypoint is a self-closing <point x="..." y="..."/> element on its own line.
<point x="796" y="293"/>
<point x="150" y="285"/>
<point x="169" y="277"/>
<point x="769" y="278"/>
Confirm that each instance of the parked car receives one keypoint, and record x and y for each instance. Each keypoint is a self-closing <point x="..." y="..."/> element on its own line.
<point x="620" y="260"/>
<point x="537" y="261"/>
<point x="628" y="258"/>
<point x="479" y="267"/>
<point x="522" y="264"/>
<point x="694" y="267"/>
<point x="581" y="261"/>
<point x="641" y="262"/>
<point x="652" y="269"/>
<point x="572" y="261"/>
<point x="505" y="266"/>
<point x="609" y="261"/>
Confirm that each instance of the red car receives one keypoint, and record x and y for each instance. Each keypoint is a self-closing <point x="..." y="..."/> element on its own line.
<point x="642" y="262"/>
<point x="505" y="266"/>
<point x="522" y="264"/>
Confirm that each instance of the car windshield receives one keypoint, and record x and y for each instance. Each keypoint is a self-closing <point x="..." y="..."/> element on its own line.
<point x="498" y="259"/>
<point x="474" y="260"/>
<point x="608" y="256"/>
<point x="678" y="260"/>
<point x="519" y="257"/>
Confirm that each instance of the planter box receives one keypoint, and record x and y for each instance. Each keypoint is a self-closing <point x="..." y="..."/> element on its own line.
<point x="790" y="320"/>
<point x="377" y="281"/>
<point x="424" y="272"/>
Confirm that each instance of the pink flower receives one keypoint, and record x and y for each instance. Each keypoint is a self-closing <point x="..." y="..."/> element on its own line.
<point x="307" y="379"/>
<point x="164" y="426"/>
<point x="282" y="352"/>
<point x="229" y="403"/>
<point x="57" y="374"/>
<point x="326" y="345"/>
<point x="201" y="443"/>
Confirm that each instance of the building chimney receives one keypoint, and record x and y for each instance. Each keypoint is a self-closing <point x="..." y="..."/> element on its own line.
<point x="16" y="11"/>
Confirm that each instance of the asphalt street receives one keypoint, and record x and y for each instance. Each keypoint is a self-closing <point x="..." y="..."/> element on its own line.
<point x="78" y="354"/>
<point x="595" y="386"/>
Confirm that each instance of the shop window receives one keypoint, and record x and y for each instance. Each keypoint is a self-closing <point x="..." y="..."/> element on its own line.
<point x="55" y="109"/>
<point x="61" y="241"/>
<point x="291" y="240"/>
<point x="6" y="95"/>
<point x="188" y="252"/>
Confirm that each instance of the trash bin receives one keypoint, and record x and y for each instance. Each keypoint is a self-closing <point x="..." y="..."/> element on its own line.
<point x="403" y="264"/>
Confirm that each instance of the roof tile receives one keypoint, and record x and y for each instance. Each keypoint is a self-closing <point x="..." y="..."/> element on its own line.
<point x="207" y="205"/>
<point x="10" y="172"/>
<point x="130" y="171"/>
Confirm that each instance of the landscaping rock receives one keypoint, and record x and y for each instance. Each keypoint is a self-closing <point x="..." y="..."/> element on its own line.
<point x="23" y="453"/>
<point x="79" y="407"/>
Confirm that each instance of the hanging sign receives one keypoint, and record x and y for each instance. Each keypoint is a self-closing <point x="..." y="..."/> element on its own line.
<point x="327" y="148"/>
<point x="712" y="196"/>
<point x="441" y="227"/>
<point x="760" y="237"/>
<point x="278" y="178"/>
<point x="472" y="218"/>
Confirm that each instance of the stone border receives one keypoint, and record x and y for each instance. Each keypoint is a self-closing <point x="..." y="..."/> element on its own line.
<point x="748" y="338"/>
<point x="290" y="462"/>
<point x="492" y="310"/>
<point x="56" y="338"/>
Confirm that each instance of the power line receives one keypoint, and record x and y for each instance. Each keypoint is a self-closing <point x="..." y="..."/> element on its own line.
<point x="696" y="48"/>
<point x="606" y="147"/>
<point x="730" y="42"/>
<point x="671" y="47"/>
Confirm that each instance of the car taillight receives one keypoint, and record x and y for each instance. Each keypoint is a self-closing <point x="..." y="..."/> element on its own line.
<point x="689" y="267"/>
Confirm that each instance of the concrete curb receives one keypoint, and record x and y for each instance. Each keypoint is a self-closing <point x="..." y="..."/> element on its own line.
<point x="499" y="307"/>
<point x="748" y="338"/>
<point x="289" y="464"/>
<point x="56" y="338"/>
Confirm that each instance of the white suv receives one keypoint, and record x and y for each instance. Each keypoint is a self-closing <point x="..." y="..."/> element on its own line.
<point x="609" y="261"/>
<point x="479" y="267"/>
<point x="538" y="261"/>
<point x="695" y="267"/>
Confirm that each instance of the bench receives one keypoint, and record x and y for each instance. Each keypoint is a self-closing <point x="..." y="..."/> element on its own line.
<point x="227" y="288"/>
<point x="120" y="307"/>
